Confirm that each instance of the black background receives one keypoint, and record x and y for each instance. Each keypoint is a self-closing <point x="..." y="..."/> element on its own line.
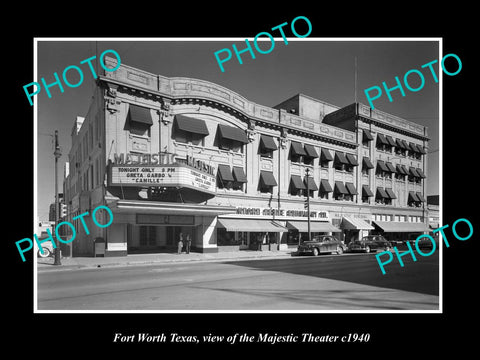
<point x="404" y="334"/>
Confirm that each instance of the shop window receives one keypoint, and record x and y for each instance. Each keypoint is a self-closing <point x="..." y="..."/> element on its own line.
<point x="225" y="238"/>
<point x="147" y="236"/>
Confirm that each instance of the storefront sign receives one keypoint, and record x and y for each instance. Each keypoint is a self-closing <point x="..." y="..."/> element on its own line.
<point x="270" y="212"/>
<point x="175" y="175"/>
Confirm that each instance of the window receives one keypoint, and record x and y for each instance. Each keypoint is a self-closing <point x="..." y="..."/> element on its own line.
<point x="224" y="177"/>
<point x="239" y="178"/>
<point x="340" y="161"/>
<point x="297" y="152"/>
<point x="231" y="138"/>
<point x="366" y="194"/>
<point x="366" y="137"/>
<point x="311" y="154"/>
<point x="366" y="165"/>
<point x="352" y="162"/>
<point x="325" y="158"/>
<point x="296" y="185"/>
<point x="267" y="182"/>
<point x="267" y="146"/>
<point x="312" y="186"/>
<point x="325" y="189"/>
<point x="139" y="120"/>
<point x="148" y="235"/>
<point x="340" y="191"/>
<point x="351" y="191"/>
<point x="383" y="144"/>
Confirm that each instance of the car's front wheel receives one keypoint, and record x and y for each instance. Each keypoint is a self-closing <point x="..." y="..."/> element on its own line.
<point x="315" y="252"/>
<point x="46" y="252"/>
<point x="339" y="250"/>
<point x="367" y="249"/>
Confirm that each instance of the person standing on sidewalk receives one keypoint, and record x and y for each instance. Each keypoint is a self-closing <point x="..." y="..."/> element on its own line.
<point x="180" y="243"/>
<point x="188" y="243"/>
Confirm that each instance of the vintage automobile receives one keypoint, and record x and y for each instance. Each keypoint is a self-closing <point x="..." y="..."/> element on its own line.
<point x="321" y="244"/>
<point x="47" y="246"/>
<point x="370" y="243"/>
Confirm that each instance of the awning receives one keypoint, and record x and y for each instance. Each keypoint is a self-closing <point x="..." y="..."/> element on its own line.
<point x="421" y="149"/>
<point x="325" y="155"/>
<point x="390" y="193"/>
<point x="390" y="167"/>
<point x="413" y="172"/>
<point x="421" y="173"/>
<point x="340" y="188"/>
<point x="367" y="163"/>
<point x="390" y="140"/>
<point x="250" y="225"/>
<point x="239" y="174"/>
<point x="225" y="172"/>
<point x="407" y="147"/>
<point x="352" y="159"/>
<point x="267" y="178"/>
<point x="311" y="152"/>
<point x="312" y="185"/>
<point x="192" y="125"/>
<point x="340" y="158"/>
<point x="140" y="114"/>
<point x="397" y="226"/>
<point x="325" y="186"/>
<point x="367" y="135"/>
<point x="268" y="143"/>
<point x="400" y="144"/>
<point x="366" y="191"/>
<point x="381" y="139"/>
<point x="232" y="133"/>
<point x="413" y="147"/>
<point x="382" y="193"/>
<point x="350" y="223"/>
<point x="381" y="164"/>
<point x="297" y="182"/>
<point x="401" y="170"/>
<point x="351" y="188"/>
<point x="315" y="226"/>
<point x="412" y="196"/>
<point x="420" y="197"/>
<point x="297" y="149"/>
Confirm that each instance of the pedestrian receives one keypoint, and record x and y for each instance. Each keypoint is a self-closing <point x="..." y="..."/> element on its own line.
<point x="180" y="243"/>
<point x="188" y="242"/>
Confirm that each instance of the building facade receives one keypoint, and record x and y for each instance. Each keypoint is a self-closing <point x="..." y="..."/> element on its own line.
<point x="173" y="156"/>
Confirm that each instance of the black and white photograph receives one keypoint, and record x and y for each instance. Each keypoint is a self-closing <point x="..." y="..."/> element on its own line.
<point x="211" y="182"/>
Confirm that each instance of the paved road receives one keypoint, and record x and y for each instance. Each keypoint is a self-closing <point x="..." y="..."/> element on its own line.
<point x="326" y="282"/>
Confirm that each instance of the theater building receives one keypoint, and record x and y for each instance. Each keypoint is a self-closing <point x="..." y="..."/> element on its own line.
<point x="182" y="155"/>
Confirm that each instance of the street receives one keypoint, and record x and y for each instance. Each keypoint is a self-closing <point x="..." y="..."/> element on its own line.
<point x="326" y="282"/>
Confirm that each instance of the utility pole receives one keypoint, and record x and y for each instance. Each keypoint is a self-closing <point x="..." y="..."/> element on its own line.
<point x="57" y="153"/>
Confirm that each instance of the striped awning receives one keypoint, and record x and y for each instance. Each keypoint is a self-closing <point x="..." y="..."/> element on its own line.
<point x="250" y="225"/>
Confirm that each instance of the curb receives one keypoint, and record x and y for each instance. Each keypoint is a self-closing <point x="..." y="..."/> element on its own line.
<point x="50" y="267"/>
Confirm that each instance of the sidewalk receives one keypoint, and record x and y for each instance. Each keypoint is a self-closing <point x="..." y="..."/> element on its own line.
<point x="73" y="263"/>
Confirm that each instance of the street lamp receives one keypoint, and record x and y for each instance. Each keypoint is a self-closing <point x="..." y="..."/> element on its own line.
<point x="57" y="153"/>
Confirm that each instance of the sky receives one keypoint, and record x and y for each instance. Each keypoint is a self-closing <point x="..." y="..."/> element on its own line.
<point x="321" y="69"/>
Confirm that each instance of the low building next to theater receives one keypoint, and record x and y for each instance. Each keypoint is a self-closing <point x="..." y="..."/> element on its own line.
<point x="178" y="156"/>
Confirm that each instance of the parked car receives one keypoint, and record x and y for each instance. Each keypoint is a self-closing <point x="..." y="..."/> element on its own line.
<point x="322" y="244"/>
<point x="370" y="243"/>
<point x="47" y="246"/>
